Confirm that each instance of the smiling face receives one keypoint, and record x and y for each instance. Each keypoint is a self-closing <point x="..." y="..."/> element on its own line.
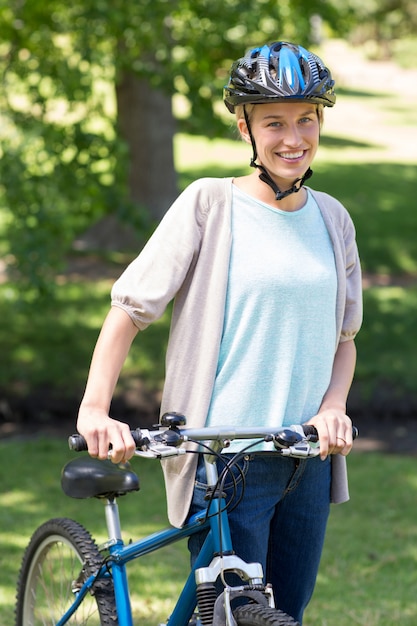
<point x="286" y="136"/>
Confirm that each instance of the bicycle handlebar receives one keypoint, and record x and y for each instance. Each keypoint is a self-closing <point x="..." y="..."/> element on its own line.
<point x="77" y="443"/>
<point x="296" y="440"/>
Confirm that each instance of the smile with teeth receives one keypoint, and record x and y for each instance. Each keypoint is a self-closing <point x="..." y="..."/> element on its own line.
<point x="291" y="155"/>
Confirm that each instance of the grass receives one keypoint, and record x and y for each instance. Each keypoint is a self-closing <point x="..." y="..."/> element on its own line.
<point x="368" y="574"/>
<point x="369" y="568"/>
<point x="50" y="345"/>
<point x="386" y="348"/>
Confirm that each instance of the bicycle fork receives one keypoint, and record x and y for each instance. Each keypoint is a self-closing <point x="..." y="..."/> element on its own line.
<point x="215" y="608"/>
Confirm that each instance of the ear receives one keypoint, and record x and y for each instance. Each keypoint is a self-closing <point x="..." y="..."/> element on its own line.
<point x="243" y="129"/>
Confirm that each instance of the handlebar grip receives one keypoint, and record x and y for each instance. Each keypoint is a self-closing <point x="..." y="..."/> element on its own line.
<point x="311" y="432"/>
<point x="77" y="443"/>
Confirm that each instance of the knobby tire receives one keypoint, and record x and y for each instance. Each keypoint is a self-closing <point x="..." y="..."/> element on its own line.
<point x="60" y="552"/>
<point x="259" y="615"/>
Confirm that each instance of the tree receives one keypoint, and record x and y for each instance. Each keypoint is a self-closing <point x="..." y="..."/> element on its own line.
<point x="88" y="123"/>
<point x="385" y="23"/>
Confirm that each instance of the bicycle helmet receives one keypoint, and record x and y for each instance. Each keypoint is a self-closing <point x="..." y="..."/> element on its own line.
<point x="278" y="72"/>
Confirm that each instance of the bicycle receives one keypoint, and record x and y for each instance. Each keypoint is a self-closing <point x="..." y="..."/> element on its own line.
<point x="65" y="578"/>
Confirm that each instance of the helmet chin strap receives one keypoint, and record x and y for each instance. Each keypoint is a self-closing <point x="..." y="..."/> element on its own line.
<point x="266" y="177"/>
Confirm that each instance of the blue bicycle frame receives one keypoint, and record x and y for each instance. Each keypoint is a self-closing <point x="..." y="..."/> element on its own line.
<point x="218" y="527"/>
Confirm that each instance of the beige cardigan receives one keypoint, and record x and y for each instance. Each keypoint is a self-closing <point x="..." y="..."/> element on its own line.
<point x="187" y="258"/>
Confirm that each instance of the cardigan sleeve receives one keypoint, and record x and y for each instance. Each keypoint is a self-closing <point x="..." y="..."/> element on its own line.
<point x="152" y="280"/>
<point x="353" y="312"/>
<point x="349" y="276"/>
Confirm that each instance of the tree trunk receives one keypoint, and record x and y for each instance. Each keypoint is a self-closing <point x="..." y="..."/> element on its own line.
<point x="147" y="124"/>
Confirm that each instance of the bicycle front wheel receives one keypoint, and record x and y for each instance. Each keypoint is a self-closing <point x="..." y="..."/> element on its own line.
<point x="259" y="615"/>
<point x="60" y="556"/>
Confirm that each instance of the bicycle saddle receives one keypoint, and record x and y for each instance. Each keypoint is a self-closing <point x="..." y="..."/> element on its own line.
<point x="91" y="478"/>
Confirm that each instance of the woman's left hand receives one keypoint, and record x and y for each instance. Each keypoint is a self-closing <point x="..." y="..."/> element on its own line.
<point x="335" y="431"/>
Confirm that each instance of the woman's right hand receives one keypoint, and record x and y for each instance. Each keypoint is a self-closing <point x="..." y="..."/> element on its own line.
<point x="100" y="430"/>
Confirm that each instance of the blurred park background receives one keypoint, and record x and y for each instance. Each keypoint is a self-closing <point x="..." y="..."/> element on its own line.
<point x="109" y="109"/>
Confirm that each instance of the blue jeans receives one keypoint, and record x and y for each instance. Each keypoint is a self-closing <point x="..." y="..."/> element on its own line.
<point x="280" y="522"/>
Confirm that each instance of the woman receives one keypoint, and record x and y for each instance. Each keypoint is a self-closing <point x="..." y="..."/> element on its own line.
<point x="266" y="280"/>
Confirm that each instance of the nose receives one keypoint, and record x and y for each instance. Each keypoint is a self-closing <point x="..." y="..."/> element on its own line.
<point x="292" y="136"/>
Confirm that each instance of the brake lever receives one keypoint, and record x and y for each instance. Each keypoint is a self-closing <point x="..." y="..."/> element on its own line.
<point x="159" y="452"/>
<point x="299" y="451"/>
<point x="159" y="446"/>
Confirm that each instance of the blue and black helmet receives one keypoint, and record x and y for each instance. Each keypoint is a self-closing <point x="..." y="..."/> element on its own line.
<point x="279" y="72"/>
